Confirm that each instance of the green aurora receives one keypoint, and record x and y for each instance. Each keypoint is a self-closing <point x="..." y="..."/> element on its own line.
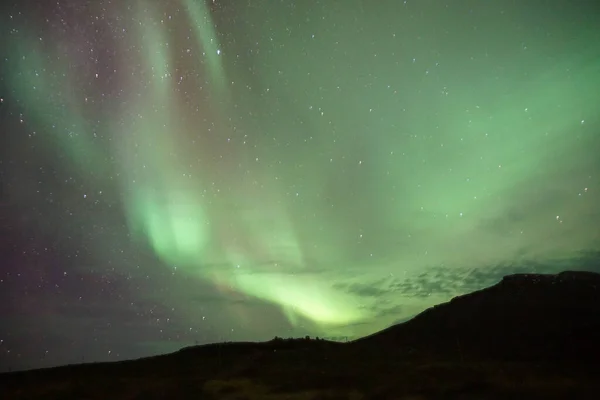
<point x="295" y="155"/>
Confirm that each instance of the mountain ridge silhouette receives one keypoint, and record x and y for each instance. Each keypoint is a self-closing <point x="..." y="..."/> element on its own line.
<point x="523" y="317"/>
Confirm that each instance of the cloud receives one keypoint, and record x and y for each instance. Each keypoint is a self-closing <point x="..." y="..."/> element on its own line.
<point x="373" y="289"/>
<point x="395" y="310"/>
<point x="446" y="282"/>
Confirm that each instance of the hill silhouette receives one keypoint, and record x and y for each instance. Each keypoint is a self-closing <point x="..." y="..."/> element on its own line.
<point x="529" y="336"/>
<point x="525" y="317"/>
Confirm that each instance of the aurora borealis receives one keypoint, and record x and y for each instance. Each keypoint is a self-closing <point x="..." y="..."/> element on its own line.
<point x="179" y="171"/>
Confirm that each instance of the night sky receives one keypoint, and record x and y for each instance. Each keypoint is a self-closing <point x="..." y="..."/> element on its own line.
<point x="177" y="172"/>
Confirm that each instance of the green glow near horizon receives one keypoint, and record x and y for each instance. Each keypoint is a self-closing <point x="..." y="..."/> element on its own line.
<point x="353" y="156"/>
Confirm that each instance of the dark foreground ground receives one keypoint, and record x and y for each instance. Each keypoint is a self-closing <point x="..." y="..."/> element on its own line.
<point x="528" y="337"/>
<point x="301" y="370"/>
